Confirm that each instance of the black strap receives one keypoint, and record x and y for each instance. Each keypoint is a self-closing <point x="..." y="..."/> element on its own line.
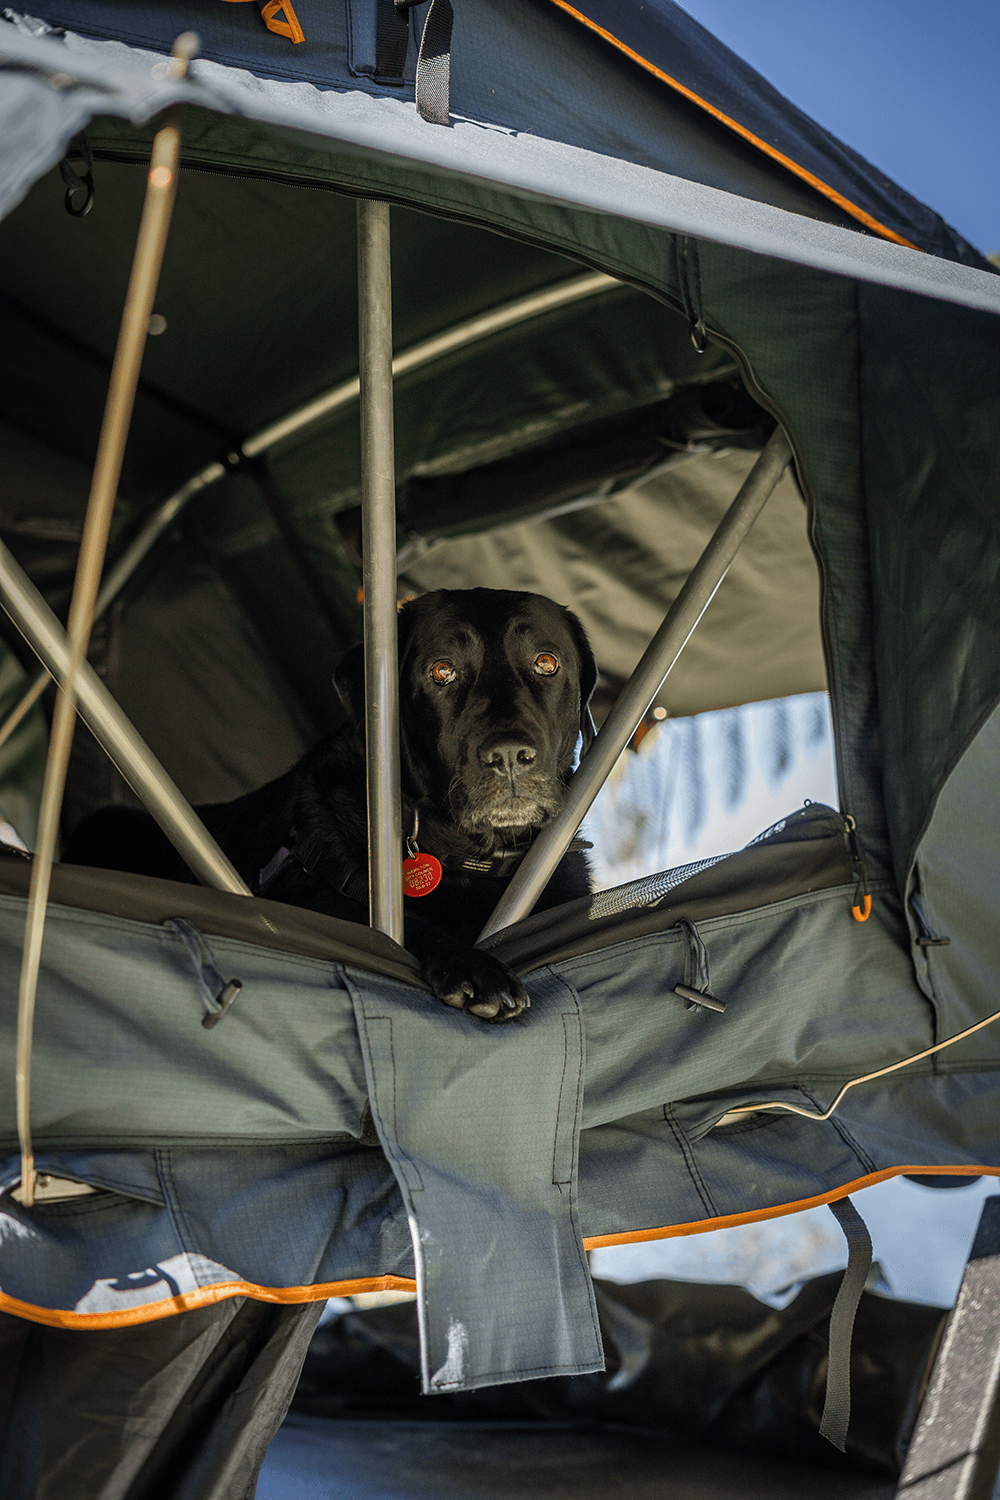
<point x="392" y="33"/>
<point x="837" y="1407"/>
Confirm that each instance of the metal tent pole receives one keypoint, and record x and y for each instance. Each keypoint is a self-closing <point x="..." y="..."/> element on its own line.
<point x="473" y="330"/>
<point x="662" y="652"/>
<point x="483" y="326"/>
<point x="378" y="519"/>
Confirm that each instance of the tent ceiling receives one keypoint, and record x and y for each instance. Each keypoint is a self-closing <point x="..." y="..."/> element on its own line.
<point x="556" y="410"/>
<point x="623" y="560"/>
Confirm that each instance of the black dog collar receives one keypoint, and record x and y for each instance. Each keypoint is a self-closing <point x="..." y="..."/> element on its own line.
<point x="506" y="862"/>
<point x="354" y="884"/>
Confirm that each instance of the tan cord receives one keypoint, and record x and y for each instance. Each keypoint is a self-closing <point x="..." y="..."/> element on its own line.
<point x="808" y="1114"/>
<point x="154" y="226"/>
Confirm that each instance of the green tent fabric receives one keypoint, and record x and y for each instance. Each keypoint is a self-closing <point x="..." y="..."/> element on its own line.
<point x="610" y="1110"/>
<point x="879" y="360"/>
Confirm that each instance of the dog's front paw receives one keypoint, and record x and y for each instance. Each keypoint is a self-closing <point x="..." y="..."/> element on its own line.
<point x="467" y="979"/>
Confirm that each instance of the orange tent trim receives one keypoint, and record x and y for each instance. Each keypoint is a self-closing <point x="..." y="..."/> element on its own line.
<point x="748" y="135"/>
<point x="151" y="1312"/>
<point x="756" y="1216"/>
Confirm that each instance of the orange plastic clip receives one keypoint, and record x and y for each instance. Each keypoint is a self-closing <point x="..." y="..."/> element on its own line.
<point x="289" y="26"/>
<point x="863" y="912"/>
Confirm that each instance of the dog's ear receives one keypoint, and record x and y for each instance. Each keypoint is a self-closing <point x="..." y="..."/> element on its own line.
<point x="588" y="677"/>
<point x="349" y="680"/>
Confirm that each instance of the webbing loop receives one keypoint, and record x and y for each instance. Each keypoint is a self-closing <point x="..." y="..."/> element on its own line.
<point x="433" y="85"/>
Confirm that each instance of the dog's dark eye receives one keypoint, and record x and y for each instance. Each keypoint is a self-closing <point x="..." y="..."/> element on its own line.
<point x="546" y="664"/>
<point x="443" y="672"/>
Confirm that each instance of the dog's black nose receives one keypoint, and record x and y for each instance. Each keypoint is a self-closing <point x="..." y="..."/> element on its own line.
<point x="508" y="753"/>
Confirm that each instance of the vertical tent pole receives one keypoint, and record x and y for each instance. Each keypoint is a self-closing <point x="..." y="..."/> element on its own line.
<point x="378" y="519"/>
<point x="662" y="652"/>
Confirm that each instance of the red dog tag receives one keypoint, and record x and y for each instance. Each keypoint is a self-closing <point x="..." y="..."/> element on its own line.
<point x="421" y="875"/>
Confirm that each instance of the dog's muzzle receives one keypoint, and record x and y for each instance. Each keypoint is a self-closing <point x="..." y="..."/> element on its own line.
<point x="509" y="788"/>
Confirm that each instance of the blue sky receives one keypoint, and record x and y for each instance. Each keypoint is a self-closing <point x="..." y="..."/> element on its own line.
<point x="913" y="85"/>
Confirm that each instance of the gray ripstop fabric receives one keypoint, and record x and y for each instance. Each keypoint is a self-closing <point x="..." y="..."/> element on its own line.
<point x="493" y="1208"/>
<point x="234" y="1160"/>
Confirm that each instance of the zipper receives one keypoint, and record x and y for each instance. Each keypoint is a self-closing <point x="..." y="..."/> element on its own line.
<point x="767" y="402"/>
<point x="287" y="179"/>
<point x="861" y="907"/>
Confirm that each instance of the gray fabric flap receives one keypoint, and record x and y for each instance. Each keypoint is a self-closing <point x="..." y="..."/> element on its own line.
<point x="121" y="1056"/>
<point x="482" y="1138"/>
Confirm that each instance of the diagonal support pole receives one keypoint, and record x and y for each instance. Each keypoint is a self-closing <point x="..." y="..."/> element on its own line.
<point x="118" y="576"/>
<point x="662" y="652"/>
<point x="115" y="733"/>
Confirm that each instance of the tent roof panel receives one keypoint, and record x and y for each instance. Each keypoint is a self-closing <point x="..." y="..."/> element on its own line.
<point x="665" y="40"/>
<point x="370" y="143"/>
<point x="658" y="36"/>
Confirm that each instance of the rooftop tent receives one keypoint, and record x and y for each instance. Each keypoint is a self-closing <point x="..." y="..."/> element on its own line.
<point x="613" y="193"/>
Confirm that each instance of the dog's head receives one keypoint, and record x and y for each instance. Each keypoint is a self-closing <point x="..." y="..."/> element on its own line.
<point x="494" y="693"/>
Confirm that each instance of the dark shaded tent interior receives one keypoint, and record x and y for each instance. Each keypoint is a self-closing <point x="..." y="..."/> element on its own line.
<point x="584" y="451"/>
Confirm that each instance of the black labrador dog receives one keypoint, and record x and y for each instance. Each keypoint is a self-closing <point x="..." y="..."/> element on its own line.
<point x="494" y="693"/>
